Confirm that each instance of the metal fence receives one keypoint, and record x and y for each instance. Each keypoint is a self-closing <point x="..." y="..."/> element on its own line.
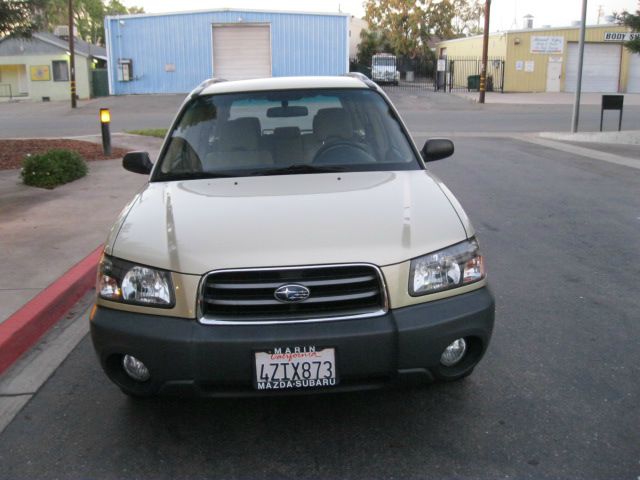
<point x="5" y="90"/>
<point x="448" y="75"/>
<point x="413" y="73"/>
<point x="463" y="74"/>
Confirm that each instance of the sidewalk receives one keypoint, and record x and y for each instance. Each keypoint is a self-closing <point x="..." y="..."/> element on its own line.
<point x="625" y="137"/>
<point x="561" y="98"/>
<point x="46" y="232"/>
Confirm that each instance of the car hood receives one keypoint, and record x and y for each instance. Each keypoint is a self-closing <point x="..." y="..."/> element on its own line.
<point x="373" y="217"/>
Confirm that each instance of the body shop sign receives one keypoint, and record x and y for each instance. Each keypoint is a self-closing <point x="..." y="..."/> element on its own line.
<point x="621" y="36"/>
<point x="547" y="44"/>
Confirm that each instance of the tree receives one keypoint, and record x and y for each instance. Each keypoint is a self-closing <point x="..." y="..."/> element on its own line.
<point x="402" y="21"/>
<point x="19" y="17"/>
<point x="440" y="15"/>
<point x="468" y="19"/>
<point x="371" y="42"/>
<point x="88" y="16"/>
<point x="633" y="22"/>
<point x="409" y="24"/>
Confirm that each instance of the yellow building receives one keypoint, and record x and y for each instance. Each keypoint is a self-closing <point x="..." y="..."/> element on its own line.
<point x="38" y="68"/>
<point x="546" y="59"/>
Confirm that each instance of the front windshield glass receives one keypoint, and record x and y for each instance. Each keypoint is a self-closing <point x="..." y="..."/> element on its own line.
<point x="285" y="132"/>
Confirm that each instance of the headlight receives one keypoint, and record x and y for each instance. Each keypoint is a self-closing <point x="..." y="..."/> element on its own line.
<point x="126" y="282"/>
<point x="452" y="267"/>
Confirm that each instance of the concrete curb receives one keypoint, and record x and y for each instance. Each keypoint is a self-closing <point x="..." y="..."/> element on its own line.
<point x="625" y="137"/>
<point x="584" y="152"/>
<point x="25" y="327"/>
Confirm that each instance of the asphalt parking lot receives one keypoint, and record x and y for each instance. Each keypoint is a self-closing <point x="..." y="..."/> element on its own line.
<point x="555" y="397"/>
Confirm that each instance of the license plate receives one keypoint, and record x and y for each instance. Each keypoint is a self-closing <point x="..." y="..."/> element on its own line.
<point x="298" y="367"/>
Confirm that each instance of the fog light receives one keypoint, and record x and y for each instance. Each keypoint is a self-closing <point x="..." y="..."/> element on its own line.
<point x="454" y="353"/>
<point x="135" y="368"/>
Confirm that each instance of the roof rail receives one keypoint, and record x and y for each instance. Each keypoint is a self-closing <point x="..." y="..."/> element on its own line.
<point x="363" y="78"/>
<point x="210" y="81"/>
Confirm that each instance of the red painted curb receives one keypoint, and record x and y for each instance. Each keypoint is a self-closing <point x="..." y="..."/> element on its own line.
<point x="25" y="327"/>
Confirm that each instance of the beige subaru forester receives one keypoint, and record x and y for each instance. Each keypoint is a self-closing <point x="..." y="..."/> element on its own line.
<point x="290" y="239"/>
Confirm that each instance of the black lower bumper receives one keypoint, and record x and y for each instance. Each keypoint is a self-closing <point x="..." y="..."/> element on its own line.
<point x="187" y="357"/>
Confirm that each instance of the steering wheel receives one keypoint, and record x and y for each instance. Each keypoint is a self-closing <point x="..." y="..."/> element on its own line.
<point x="347" y="152"/>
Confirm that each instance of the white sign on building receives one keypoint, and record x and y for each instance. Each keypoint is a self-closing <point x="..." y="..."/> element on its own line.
<point x="546" y="44"/>
<point x="620" y="36"/>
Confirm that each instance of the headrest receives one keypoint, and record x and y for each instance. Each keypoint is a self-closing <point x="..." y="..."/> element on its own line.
<point x="332" y="122"/>
<point x="286" y="132"/>
<point x="240" y="134"/>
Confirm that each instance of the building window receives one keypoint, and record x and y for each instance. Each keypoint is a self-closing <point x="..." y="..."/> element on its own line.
<point x="60" y="71"/>
<point x="125" y="70"/>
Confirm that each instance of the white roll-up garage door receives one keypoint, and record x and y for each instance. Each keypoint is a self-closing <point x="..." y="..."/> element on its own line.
<point x="633" y="83"/>
<point x="241" y="51"/>
<point x="601" y="70"/>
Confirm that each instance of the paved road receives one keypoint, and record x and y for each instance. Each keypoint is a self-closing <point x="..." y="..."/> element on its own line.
<point x="556" y="396"/>
<point x="423" y="111"/>
<point x="57" y="119"/>
<point x="440" y="112"/>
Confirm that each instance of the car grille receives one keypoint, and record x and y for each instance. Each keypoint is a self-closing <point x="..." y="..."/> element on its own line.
<point x="336" y="292"/>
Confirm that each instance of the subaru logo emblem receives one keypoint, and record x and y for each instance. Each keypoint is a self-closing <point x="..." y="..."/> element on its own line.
<point x="291" y="293"/>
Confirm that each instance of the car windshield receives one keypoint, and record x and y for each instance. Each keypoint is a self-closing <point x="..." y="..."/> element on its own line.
<point x="384" y="61"/>
<point x="285" y="132"/>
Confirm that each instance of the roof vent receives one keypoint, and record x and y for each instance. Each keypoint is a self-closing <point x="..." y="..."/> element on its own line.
<point x="527" y="22"/>
<point x="61" y="31"/>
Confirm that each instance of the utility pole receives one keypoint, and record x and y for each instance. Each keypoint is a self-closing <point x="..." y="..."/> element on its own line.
<point x="485" y="51"/>
<point x="72" y="58"/>
<point x="600" y="13"/>
<point x="575" y="118"/>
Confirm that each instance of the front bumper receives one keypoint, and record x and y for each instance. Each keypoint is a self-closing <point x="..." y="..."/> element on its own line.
<point x="187" y="357"/>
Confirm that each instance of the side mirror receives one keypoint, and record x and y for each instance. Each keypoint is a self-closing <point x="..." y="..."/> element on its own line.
<point x="137" y="162"/>
<point x="437" y="148"/>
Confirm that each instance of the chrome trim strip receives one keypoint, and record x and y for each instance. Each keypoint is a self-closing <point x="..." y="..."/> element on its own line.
<point x="377" y="313"/>
<point x="213" y="321"/>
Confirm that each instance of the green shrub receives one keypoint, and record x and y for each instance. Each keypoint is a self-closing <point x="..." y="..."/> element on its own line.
<point x="53" y="168"/>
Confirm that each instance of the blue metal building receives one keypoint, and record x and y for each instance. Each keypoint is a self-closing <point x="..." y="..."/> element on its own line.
<point x="173" y="53"/>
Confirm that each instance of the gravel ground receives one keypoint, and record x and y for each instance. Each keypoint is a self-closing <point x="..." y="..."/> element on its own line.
<point x="12" y="152"/>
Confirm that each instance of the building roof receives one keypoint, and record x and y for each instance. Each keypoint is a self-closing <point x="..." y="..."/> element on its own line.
<point x="283" y="83"/>
<point x="47" y="43"/>
<point x="613" y="26"/>
<point x="80" y="46"/>
<point x="570" y="27"/>
<point x="234" y="10"/>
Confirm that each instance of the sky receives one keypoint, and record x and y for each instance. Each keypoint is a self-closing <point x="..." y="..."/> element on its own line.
<point x="505" y="14"/>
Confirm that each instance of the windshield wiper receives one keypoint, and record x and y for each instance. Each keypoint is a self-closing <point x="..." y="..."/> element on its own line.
<point x="298" y="169"/>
